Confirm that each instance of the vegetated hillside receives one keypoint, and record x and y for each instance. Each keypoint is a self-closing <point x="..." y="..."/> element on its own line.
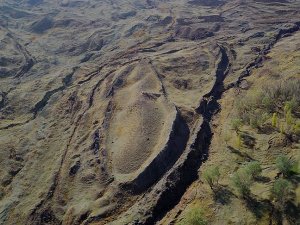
<point x="252" y="173"/>
<point x="149" y="112"/>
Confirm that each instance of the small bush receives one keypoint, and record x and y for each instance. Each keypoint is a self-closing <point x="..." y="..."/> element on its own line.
<point x="242" y="181"/>
<point x="289" y="118"/>
<point x="281" y="191"/>
<point x="194" y="217"/>
<point x="257" y="120"/>
<point x="282" y="129"/>
<point x="236" y="124"/>
<point x="284" y="165"/>
<point x="274" y="120"/>
<point x="212" y="175"/>
<point x="290" y="106"/>
<point x="254" y="169"/>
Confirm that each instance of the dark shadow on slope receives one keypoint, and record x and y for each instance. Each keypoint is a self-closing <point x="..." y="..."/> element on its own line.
<point x="222" y="195"/>
<point x="241" y="154"/>
<point x="258" y="208"/>
<point x="165" y="160"/>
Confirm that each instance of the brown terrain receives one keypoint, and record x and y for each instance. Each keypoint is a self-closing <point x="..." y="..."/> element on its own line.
<point x="110" y="111"/>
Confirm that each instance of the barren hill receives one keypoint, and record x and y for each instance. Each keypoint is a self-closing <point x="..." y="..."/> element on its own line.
<point x="111" y="110"/>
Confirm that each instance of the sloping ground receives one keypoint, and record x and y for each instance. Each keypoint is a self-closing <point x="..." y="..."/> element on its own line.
<point x="225" y="206"/>
<point x="109" y="108"/>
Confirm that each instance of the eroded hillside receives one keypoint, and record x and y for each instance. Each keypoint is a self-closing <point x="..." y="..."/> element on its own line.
<point x="109" y="109"/>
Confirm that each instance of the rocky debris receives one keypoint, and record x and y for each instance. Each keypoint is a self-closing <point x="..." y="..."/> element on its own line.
<point x="279" y="141"/>
<point x="96" y="142"/>
<point x="248" y="140"/>
<point x="74" y="168"/>
<point x="181" y="84"/>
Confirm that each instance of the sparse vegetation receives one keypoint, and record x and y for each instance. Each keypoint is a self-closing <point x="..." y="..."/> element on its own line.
<point x="236" y="125"/>
<point x="274" y="120"/>
<point x="284" y="165"/>
<point x="144" y="112"/>
<point x="244" y="177"/>
<point x="279" y="101"/>
<point x="194" y="216"/>
<point x="212" y="175"/>
<point x="282" y="130"/>
<point x="249" y="109"/>
<point x="265" y="122"/>
<point x="242" y="181"/>
<point x="227" y="137"/>
<point x="281" y="192"/>
<point x="257" y="120"/>
<point x="254" y="169"/>
<point x="282" y="94"/>
<point x="239" y="142"/>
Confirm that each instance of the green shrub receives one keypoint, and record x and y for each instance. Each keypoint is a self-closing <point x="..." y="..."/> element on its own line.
<point x="256" y="120"/>
<point x="274" y="120"/>
<point x="289" y="118"/>
<point x="242" y="181"/>
<point x="212" y="175"/>
<point x="282" y="129"/>
<point x="194" y="217"/>
<point x="284" y="165"/>
<point x="236" y="124"/>
<point x="281" y="191"/>
<point x="287" y="107"/>
<point x="254" y="169"/>
<point x="268" y="103"/>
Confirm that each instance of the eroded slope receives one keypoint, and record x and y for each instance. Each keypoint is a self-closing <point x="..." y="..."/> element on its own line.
<point x="106" y="107"/>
